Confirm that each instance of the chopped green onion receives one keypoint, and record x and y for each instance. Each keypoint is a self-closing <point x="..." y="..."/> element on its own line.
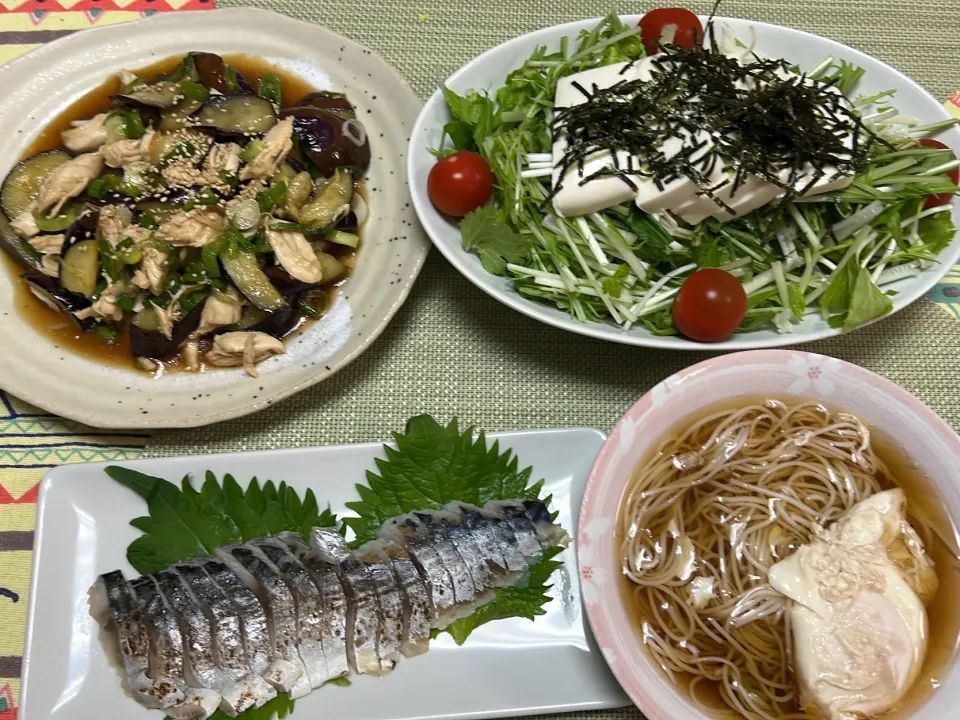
<point x="230" y="75"/>
<point x="107" y="333"/>
<point x="194" y="90"/>
<point x="272" y="196"/>
<point x="56" y="224"/>
<point x="270" y="89"/>
<point x="250" y="152"/>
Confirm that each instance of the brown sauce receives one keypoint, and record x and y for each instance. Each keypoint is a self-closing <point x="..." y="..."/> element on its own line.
<point x="943" y="611"/>
<point x="60" y="329"/>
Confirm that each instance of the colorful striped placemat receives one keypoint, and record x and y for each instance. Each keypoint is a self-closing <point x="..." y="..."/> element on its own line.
<point x="31" y="441"/>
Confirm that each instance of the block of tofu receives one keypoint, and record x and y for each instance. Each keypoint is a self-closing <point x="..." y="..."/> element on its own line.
<point x="575" y="199"/>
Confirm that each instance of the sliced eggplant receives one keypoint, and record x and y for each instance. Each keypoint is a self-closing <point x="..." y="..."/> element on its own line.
<point x="23" y="182"/>
<point x="213" y="72"/>
<point x="16" y="247"/>
<point x="146" y="340"/>
<point x="335" y="103"/>
<point x="330" y="141"/>
<point x="329" y="204"/>
<point x="163" y="95"/>
<point x="80" y="268"/>
<point x="279" y="323"/>
<point x="48" y="291"/>
<point x="285" y="283"/>
<point x="237" y="115"/>
<point x="85" y="228"/>
<point x="249" y="279"/>
<point x="178" y="117"/>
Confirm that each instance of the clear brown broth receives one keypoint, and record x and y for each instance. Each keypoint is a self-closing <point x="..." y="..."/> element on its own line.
<point x="56" y="326"/>
<point x="943" y="612"/>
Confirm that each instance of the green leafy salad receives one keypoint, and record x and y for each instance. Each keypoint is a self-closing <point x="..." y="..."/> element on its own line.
<point x="834" y="254"/>
<point x="429" y="466"/>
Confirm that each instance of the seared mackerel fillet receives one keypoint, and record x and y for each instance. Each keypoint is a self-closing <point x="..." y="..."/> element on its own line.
<point x="277" y="614"/>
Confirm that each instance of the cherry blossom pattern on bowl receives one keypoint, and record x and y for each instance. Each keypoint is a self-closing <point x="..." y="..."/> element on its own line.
<point x="928" y="442"/>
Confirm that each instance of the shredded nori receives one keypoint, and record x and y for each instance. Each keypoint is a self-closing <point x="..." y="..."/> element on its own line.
<point x="761" y="116"/>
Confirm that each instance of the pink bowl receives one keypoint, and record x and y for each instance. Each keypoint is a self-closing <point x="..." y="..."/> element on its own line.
<point x="920" y="433"/>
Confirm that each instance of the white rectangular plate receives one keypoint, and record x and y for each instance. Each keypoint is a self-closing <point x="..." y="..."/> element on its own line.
<point x="508" y="667"/>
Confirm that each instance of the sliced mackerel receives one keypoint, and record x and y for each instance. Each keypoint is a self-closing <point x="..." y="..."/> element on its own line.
<point x="309" y="606"/>
<point x="242" y="688"/>
<point x="390" y="603"/>
<point x="418" y="610"/>
<point x="363" y="609"/>
<point x="327" y="580"/>
<point x="167" y="654"/>
<point x="287" y="672"/>
<point x="278" y="614"/>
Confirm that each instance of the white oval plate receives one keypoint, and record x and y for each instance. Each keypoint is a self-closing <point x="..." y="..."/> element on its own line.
<point x="39" y="85"/>
<point x="489" y="71"/>
<point x="506" y="668"/>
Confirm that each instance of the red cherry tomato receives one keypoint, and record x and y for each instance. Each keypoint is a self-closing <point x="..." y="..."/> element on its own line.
<point x="710" y="305"/>
<point x="942" y="198"/>
<point x="670" y="26"/>
<point x="460" y="183"/>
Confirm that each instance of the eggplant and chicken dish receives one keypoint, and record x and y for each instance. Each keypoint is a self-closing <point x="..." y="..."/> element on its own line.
<point x="198" y="214"/>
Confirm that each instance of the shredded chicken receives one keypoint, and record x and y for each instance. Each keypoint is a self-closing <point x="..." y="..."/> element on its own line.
<point x="276" y="145"/>
<point x="48" y="244"/>
<point x="295" y="255"/>
<point x="126" y="152"/>
<point x="147" y="364"/>
<point x="112" y="223"/>
<point x="104" y="306"/>
<point x="244" y="349"/>
<point x="224" y="157"/>
<point x="191" y="228"/>
<point x="167" y="317"/>
<point x="219" y="312"/>
<point x="184" y="175"/>
<point x="126" y="77"/>
<point x="86" y="135"/>
<point x="67" y="181"/>
<point x="152" y="273"/>
<point x="25" y="224"/>
<point x="191" y="356"/>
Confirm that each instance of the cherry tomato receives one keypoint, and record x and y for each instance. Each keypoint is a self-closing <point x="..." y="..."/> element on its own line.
<point x="670" y="26"/>
<point x="710" y="305"/>
<point x="460" y="183"/>
<point x="942" y="198"/>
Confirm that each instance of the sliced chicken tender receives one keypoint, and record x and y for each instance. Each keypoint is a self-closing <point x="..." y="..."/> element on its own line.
<point x="191" y="228"/>
<point x="276" y="145"/>
<point x="295" y="255"/>
<point x="86" y="135"/>
<point x="246" y="349"/>
<point x="126" y="152"/>
<point x="219" y="311"/>
<point x="67" y="181"/>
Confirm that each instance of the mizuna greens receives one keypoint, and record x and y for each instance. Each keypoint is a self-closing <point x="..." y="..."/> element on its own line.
<point x="834" y="254"/>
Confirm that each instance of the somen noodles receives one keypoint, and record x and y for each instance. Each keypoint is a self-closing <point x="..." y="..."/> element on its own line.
<point x="710" y="512"/>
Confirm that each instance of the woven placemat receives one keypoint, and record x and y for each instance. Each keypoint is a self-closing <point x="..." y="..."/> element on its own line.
<point x="454" y="351"/>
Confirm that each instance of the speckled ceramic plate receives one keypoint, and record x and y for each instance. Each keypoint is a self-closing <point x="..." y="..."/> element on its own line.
<point x="39" y="85"/>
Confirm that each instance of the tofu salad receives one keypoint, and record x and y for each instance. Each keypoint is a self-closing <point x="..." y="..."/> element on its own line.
<point x="199" y="217"/>
<point x="670" y="176"/>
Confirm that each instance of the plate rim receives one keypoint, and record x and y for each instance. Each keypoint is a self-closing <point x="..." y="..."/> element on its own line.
<point x="459" y="258"/>
<point x="52" y="479"/>
<point x="419" y="246"/>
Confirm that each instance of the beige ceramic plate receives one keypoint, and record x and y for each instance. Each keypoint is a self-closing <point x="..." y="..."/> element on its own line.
<point x="37" y="86"/>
